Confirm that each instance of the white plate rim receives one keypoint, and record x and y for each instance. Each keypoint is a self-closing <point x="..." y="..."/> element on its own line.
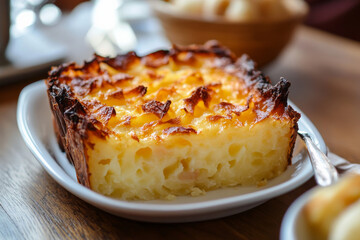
<point x="146" y="209"/>
<point x="289" y="221"/>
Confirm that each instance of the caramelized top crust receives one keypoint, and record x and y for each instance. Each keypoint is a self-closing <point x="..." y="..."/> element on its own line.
<point x="156" y="107"/>
<point x="185" y="90"/>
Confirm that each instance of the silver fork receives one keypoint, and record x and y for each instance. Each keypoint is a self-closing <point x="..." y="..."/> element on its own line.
<point x="324" y="171"/>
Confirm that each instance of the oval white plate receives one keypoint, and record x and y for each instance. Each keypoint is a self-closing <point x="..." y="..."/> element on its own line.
<point x="293" y="225"/>
<point x="35" y="125"/>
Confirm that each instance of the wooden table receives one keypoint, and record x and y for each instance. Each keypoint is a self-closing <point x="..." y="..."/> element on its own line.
<point x="325" y="75"/>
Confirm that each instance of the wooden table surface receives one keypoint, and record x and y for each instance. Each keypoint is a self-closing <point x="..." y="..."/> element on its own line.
<point x="325" y="75"/>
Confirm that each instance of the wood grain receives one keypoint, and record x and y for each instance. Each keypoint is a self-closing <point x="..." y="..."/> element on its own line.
<point x="325" y="75"/>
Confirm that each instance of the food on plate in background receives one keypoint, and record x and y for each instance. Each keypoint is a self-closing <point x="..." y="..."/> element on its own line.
<point x="175" y="122"/>
<point x="347" y="225"/>
<point x="215" y="7"/>
<point x="239" y="10"/>
<point x="242" y="10"/>
<point x="333" y="212"/>
<point x="193" y="6"/>
<point x="263" y="38"/>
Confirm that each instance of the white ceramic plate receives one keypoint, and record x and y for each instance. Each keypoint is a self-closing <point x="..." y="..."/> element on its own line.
<point x="35" y="124"/>
<point x="293" y="226"/>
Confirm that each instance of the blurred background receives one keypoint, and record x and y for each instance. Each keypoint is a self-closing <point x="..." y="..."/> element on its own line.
<point x="47" y="32"/>
<point x="341" y="17"/>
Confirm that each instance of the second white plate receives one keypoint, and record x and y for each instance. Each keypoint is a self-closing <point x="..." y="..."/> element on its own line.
<point x="35" y="125"/>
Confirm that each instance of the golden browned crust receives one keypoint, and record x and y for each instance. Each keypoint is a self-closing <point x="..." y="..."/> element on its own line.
<point x="231" y="108"/>
<point x="157" y="108"/>
<point x="74" y="119"/>
<point x="201" y="93"/>
<point x="175" y="130"/>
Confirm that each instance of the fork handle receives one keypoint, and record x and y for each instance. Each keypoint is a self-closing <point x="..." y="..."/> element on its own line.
<point x="325" y="172"/>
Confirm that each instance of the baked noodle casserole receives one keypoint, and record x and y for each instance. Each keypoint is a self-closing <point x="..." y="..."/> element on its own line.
<point x="174" y="122"/>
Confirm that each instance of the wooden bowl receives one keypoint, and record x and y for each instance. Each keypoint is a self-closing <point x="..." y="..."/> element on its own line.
<point x="262" y="40"/>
